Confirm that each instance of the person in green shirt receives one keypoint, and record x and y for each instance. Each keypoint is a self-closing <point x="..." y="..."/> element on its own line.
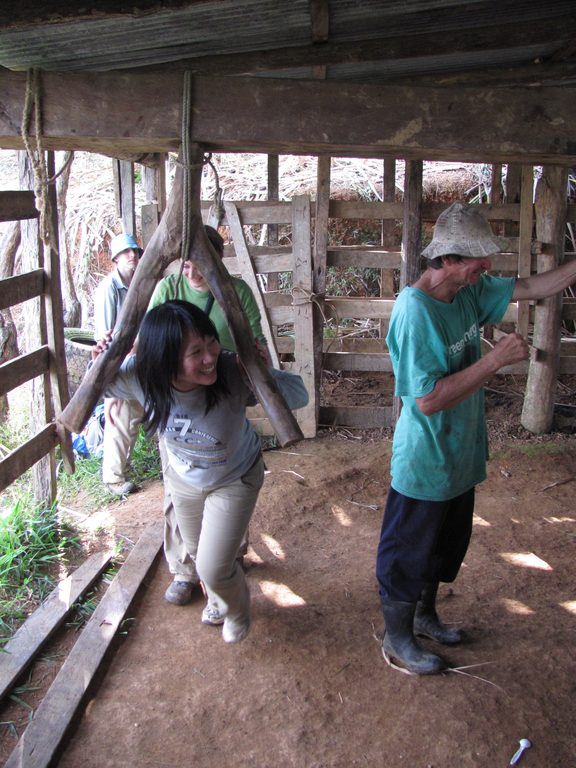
<point x="192" y="287"/>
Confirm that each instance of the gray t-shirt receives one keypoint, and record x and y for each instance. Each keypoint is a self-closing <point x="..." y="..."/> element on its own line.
<point x="213" y="449"/>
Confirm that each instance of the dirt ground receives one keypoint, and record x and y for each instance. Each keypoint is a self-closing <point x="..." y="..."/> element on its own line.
<point x="309" y="688"/>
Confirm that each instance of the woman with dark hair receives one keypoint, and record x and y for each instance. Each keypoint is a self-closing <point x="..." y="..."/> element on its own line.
<point x="195" y="395"/>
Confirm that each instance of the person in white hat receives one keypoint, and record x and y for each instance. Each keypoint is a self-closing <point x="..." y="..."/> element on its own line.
<point x="439" y="450"/>
<point x="122" y="417"/>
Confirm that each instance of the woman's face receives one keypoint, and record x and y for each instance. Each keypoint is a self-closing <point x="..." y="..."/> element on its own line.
<point x="193" y="276"/>
<point x="198" y="358"/>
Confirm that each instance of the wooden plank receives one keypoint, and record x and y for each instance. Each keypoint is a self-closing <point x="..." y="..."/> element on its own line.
<point x="18" y="205"/>
<point x="374" y="257"/>
<point x="26" y="455"/>
<point x="249" y="276"/>
<point x="302" y="291"/>
<point x="45" y="733"/>
<point x="15" y="290"/>
<point x="265" y="262"/>
<point x="354" y="361"/>
<point x="494" y="124"/>
<point x="550" y="207"/>
<point x="410" y="269"/>
<point x="356" y="416"/>
<point x="54" y="309"/>
<point x="46" y="619"/>
<point x="525" y="241"/>
<point x="320" y="264"/>
<point x="23" y="368"/>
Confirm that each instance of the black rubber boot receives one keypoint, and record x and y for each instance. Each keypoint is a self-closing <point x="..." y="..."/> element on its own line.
<point x="427" y="623"/>
<point x="400" y="647"/>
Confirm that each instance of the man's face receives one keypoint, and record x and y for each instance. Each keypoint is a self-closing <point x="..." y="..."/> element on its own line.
<point x="127" y="260"/>
<point x="468" y="271"/>
<point x="194" y="276"/>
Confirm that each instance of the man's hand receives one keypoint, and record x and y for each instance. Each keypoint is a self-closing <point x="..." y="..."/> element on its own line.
<point x="511" y="348"/>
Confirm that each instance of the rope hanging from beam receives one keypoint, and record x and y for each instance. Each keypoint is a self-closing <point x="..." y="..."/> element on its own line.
<point x="32" y="109"/>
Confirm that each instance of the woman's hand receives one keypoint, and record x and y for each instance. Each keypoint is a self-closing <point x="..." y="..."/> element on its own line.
<point x="101" y="345"/>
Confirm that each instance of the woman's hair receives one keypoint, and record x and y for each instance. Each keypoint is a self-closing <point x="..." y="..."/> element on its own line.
<point x="437" y="262"/>
<point x="160" y="339"/>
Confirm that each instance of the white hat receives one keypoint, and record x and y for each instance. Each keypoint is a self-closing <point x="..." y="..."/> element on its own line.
<point x="462" y="230"/>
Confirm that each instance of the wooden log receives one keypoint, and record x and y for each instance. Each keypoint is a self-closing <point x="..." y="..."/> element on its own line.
<point x="218" y="279"/>
<point x="538" y="410"/>
<point x="163" y="248"/>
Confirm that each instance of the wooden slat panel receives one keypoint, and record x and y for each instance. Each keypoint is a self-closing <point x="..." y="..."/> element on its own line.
<point x="26" y="455"/>
<point x="15" y="206"/>
<point x="359" y="417"/>
<point x="41" y="625"/>
<point x="24" y="368"/>
<point x="354" y="256"/>
<point x="355" y="361"/>
<point x="15" y="290"/>
<point x="52" y="719"/>
<point x="260" y="211"/>
<point x="248" y="274"/>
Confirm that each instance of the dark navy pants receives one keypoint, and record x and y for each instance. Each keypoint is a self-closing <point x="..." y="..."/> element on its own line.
<point x="421" y="542"/>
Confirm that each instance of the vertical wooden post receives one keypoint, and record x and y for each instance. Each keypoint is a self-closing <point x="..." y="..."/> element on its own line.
<point x="412" y="228"/>
<point x="55" y="328"/>
<point x="124" y="193"/>
<point x="319" y="263"/>
<point x="525" y="241"/>
<point x="550" y="205"/>
<point x="387" y="238"/>
<point x="303" y="326"/>
<point x="154" y="182"/>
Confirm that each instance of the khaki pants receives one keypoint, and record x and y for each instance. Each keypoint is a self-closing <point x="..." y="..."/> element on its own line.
<point x="212" y="524"/>
<point x="180" y="564"/>
<point x="119" y="440"/>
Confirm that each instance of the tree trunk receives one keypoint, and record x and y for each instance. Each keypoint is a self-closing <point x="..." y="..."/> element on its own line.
<point x="72" y="309"/>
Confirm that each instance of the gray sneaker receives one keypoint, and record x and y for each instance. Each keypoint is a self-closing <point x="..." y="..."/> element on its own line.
<point x="180" y="592"/>
<point x="212" y="616"/>
<point x="121" y="489"/>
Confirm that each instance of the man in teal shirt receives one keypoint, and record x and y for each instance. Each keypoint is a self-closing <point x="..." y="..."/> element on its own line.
<point x="440" y="448"/>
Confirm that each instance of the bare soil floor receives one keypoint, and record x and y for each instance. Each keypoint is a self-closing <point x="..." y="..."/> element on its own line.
<point x="309" y="688"/>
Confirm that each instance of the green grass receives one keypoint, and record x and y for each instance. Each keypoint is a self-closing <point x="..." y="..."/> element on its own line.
<point x="33" y="543"/>
<point x="87" y="477"/>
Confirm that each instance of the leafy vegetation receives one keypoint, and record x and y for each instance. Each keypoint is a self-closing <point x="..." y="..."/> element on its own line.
<point x="33" y="543"/>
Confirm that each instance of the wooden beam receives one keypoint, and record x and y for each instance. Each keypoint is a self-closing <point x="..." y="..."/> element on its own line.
<point x="15" y="206"/>
<point x="368" y="120"/>
<point x="19" y="288"/>
<point x="23" y="368"/>
<point x="26" y="455"/>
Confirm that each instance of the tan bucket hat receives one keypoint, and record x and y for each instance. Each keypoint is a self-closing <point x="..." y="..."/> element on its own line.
<point x="461" y="229"/>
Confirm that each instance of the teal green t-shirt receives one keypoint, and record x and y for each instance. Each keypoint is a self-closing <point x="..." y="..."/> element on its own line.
<point x="439" y="457"/>
<point x="166" y="291"/>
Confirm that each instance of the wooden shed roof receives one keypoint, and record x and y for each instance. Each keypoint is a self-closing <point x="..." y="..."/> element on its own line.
<point x="515" y="41"/>
<point x="484" y="80"/>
